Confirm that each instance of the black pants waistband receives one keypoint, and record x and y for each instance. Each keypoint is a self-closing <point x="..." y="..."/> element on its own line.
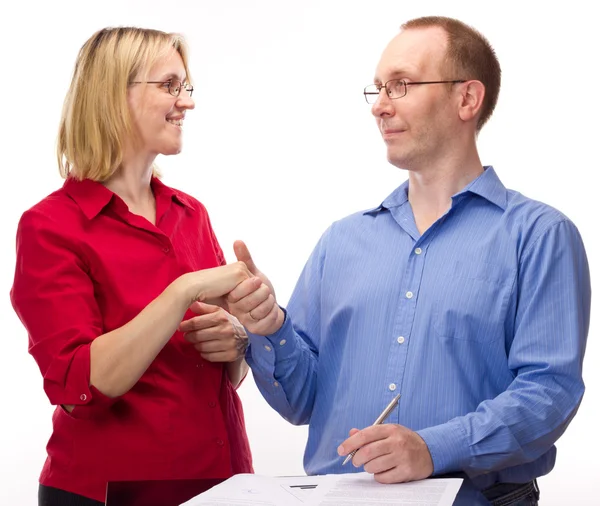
<point x="504" y="494"/>
<point x="50" y="496"/>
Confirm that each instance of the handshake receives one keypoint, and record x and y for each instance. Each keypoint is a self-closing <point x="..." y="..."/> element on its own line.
<point x="224" y="297"/>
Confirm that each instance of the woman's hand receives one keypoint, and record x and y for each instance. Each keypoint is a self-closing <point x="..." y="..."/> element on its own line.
<point x="212" y="284"/>
<point x="216" y="334"/>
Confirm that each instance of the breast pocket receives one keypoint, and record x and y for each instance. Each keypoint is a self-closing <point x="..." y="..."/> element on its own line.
<point x="472" y="305"/>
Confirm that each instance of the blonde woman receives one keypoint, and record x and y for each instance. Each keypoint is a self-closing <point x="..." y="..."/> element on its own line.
<point x="108" y="266"/>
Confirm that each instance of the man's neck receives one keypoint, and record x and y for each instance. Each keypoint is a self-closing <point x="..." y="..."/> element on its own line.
<point x="431" y="188"/>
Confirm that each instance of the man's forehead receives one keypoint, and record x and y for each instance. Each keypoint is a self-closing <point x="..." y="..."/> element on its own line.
<point x="413" y="51"/>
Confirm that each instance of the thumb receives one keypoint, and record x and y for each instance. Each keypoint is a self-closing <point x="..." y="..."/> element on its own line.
<point x="243" y="255"/>
<point x="203" y="308"/>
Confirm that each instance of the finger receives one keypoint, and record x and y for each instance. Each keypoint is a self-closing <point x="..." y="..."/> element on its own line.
<point x="205" y="321"/>
<point x="252" y="301"/>
<point x="215" y="346"/>
<point x="393" y="474"/>
<point x="263" y="309"/>
<point x="268" y="325"/>
<point x="382" y="467"/>
<point x="243" y="255"/>
<point x="373" y="452"/>
<point x="244" y="289"/>
<point x="203" y="308"/>
<point x="362" y="437"/>
<point x="211" y="334"/>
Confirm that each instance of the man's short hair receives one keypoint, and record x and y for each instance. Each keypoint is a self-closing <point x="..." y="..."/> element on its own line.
<point x="469" y="56"/>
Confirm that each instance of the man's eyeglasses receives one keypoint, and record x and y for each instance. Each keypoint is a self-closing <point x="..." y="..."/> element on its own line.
<point x="397" y="88"/>
<point x="173" y="85"/>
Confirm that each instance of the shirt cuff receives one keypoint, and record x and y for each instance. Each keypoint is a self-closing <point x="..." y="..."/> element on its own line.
<point x="448" y="445"/>
<point x="264" y="349"/>
<point x="75" y="388"/>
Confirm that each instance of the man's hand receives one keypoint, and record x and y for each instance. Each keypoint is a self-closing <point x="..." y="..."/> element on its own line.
<point x="217" y="335"/>
<point x="253" y="300"/>
<point x="393" y="453"/>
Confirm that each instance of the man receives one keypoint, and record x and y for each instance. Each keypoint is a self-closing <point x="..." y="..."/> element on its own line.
<point x="470" y="300"/>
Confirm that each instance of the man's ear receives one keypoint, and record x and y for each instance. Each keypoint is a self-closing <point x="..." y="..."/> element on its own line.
<point x="472" y="94"/>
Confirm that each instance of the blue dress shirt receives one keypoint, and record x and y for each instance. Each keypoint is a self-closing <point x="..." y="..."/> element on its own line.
<point x="480" y="323"/>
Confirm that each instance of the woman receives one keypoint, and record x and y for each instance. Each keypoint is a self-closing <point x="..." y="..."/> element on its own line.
<point x="107" y="268"/>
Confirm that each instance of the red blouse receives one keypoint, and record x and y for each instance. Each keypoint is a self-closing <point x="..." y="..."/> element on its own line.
<point x="86" y="266"/>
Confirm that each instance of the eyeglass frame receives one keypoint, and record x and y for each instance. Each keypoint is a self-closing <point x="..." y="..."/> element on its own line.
<point x="186" y="86"/>
<point x="406" y="85"/>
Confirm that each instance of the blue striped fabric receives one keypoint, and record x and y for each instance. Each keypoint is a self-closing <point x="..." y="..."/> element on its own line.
<point x="480" y="324"/>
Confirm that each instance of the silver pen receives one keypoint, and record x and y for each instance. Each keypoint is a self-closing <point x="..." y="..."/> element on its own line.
<point x="380" y="419"/>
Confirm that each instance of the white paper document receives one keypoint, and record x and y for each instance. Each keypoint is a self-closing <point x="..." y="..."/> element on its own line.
<point x="329" y="490"/>
<point x="362" y="489"/>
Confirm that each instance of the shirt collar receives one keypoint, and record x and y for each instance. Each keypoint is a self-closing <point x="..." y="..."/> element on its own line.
<point x="486" y="185"/>
<point x="92" y="197"/>
<point x="162" y="190"/>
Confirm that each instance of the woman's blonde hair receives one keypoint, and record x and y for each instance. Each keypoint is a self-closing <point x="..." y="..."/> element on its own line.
<point x="96" y="122"/>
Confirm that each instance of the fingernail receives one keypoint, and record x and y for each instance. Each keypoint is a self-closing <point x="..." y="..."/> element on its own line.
<point x="341" y="450"/>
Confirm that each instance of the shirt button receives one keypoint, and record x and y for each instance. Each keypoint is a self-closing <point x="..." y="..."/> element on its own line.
<point x="418" y="251"/>
<point x="275" y="383"/>
<point x="282" y="342"/>
<point x="267" y="347"/>
<point x="220" y="442"/>
<point x="400" y="339"/>
<point x="212" y="404"/>
<point x="409" y="295"/>
<point x="392" y="386"/>
<point x="166" y="249"/>
<point x="83" y="397"/>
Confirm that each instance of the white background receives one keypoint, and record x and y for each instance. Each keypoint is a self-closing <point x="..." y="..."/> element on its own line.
<point x="282" y="143"/>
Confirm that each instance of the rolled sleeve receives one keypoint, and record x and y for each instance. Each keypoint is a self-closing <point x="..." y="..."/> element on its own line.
<point x="53" y="295"/>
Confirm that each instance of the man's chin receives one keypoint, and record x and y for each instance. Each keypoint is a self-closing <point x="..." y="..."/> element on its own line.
<point x="396" y="160"/>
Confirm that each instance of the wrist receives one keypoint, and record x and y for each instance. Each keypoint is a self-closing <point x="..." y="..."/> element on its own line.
<point x="280" y="320"/>
<point x="237" y="371"/>
<point x="183" y="289"/>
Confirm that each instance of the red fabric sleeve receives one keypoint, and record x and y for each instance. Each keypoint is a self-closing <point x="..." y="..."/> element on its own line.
<point x="53" y="295"/>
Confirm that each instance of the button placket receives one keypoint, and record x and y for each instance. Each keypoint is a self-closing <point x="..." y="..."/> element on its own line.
<point x="406" y="311"/>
